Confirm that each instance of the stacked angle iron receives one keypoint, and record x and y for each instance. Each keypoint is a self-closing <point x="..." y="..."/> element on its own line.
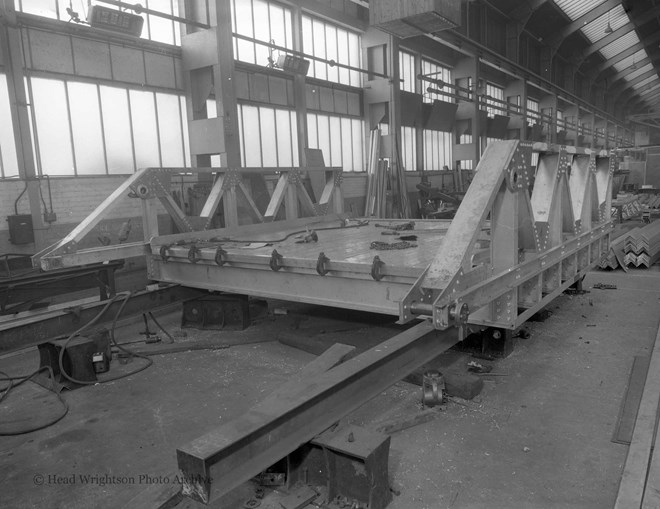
<point x="642" y="246"/>
<point x="615" y="255"/>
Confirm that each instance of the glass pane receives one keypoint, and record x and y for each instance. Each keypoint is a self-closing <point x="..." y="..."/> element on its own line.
<point x="331" y="51"/>
<point x="52" y="123"/>
<point x="251" y="135"/>
<point x="294" y="137"/>
<point x="211" y="108"/>
<point x="117" y="130"/>
<point x="312" y="131"/>
<point x="277" y="27"/>
<point x="46" y="8"/>
<point x="358" y="136"/>
<point x="262" y="30"/>
<point x="335" y="141"/>
<point x="346" y="145"/>
<point x="354" y="53"/>
<point x="268" y="137"/>
<point x="243" y="15"/>
<point x="308" y="40"/>
<point x="161" y="29"/>
<point x="86" y="125"/>
<point x="169" y="127"/>
<point x="284" y="137"/>
<point x="7" y="144"/>
<point x="323" y="127"/>
<point x="177" y="26"/>
<point x="318" y="30"/>
<point x="243" y="10"/>
<point x="342" y="56"/>
<point x="145" y="134"/>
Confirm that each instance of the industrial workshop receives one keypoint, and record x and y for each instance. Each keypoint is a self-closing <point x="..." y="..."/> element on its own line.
<point x="329" y="254"/>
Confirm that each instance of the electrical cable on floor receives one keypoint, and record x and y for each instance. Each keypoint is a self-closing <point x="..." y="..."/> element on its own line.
<point x="112" y="338"/>
<point x="24" y="379"/>
<point x="8" y="388"/>
<point x="161" y="327"/>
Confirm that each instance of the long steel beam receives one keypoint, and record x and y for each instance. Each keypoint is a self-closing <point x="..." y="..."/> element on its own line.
<point x="224" y="458"/>
<point x="34" y="328"/>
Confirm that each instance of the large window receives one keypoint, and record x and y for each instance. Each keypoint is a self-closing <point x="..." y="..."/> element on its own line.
<point x="560" y="121"/>
<point x="494" y="100"/>
<point x="264" y="21"/>
<point x="154" y="28"/>
<point x="408" y="150"/>
<point x="437" y="150"/>
<point x="341" y="139"/>
<point x="269" y="136"/>
<point x="8" y="161"/>
<point x="407" y="71"/>
<point x="437" y="72"/>
<point x="87" y="129"/>
<point x="329" y="42"/>
<point x="533" y="112"/>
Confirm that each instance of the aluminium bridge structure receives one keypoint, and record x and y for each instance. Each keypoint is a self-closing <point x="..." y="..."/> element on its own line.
<point x="523" y="234"/>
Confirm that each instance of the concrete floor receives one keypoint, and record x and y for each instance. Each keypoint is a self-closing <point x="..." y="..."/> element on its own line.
<point x="539" y="436"/>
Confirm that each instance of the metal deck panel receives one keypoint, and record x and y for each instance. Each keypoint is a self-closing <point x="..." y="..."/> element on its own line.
<point x="349" y="282"/>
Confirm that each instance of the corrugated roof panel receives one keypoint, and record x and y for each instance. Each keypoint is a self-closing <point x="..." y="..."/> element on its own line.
<point x="638" y="72"/>
<point x="576" y="8"/>
<point x="643" y="83"/>
<point x="595" y="30"/>
<point x="621" y="44"/>
<point x="628" y="61"/>
<point x="650" y="90"/>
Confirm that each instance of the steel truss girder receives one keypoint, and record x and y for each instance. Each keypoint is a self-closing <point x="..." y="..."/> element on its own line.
<point x="540" y="241"/>
<point x="154" y="184"/>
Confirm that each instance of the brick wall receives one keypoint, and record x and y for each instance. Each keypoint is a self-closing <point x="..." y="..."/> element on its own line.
<point x="73" y="200"/>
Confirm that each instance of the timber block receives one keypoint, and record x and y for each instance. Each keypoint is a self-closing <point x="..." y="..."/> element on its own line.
<point x="217" y="312"/>
<point x="349" y="462"/>
<point x="498" y="342"/>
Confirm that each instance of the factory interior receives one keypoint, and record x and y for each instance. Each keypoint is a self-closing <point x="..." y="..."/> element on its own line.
<point x="329" y="254"/>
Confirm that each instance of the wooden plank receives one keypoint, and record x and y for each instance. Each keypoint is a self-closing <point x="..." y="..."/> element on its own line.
<point x="631" y="486"/>
<point x="233" y="453"/>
